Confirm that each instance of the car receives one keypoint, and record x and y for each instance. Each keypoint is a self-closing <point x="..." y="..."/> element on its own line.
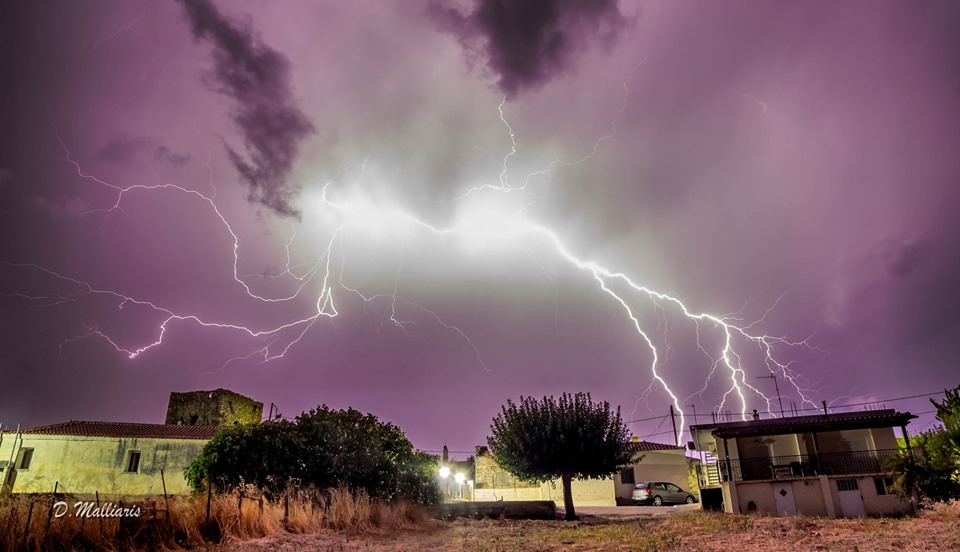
<point x="659" y="493"/>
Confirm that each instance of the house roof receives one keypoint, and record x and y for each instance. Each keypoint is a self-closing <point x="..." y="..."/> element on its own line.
<point x="646" y="446"/>
<point x="124" y="429"/>
<point x="821" y="422"/>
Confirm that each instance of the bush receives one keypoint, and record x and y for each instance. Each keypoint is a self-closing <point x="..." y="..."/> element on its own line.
<point x="324" y="448"/>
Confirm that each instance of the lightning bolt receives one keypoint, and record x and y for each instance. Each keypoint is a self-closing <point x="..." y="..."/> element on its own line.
<point x="485" y="218"/>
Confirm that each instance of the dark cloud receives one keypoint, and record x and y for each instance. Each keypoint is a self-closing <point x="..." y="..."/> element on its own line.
<point x="6" y="178"/>
<point x="257" y="77"/>
<point x="525" y="43"/>
<point x="166" y="156"/>
<point x="124" y="150"/>
<point x="903" y="256"/>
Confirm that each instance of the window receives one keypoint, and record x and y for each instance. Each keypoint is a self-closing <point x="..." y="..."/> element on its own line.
<point x="626" y="476"/>
<point x="25" y="457"/>
<point x="848" y="485"/>
<point x="884" y="485"/>
<point x="673" y="488"/>
<point x="133" y="462"/>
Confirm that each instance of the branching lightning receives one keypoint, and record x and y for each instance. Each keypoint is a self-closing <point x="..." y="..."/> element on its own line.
<point x="323" y="274"/>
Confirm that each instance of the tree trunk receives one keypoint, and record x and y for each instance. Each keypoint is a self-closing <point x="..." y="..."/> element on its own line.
<point x="571" y="515"/>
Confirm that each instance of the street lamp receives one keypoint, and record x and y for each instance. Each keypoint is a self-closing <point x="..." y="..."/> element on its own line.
<point x="444" y="472"/>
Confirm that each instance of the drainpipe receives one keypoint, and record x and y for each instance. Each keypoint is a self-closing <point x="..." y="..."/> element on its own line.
<point x="9" y="469"/>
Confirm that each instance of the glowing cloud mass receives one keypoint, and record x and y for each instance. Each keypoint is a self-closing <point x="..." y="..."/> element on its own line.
<point x="422" y="210"/>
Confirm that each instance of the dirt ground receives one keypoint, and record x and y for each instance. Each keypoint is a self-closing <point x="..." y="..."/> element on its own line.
<point x="935" y="529"/>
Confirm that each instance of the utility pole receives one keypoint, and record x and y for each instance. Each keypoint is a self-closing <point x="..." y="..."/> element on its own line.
<point x="673" y="418"/>
<point x="775" y="386"/>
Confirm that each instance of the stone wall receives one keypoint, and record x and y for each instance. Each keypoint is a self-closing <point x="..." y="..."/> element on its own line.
<point x="212" y="408"/>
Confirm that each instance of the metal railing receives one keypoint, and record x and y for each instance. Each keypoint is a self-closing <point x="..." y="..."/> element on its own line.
<point x="808" y="465"/>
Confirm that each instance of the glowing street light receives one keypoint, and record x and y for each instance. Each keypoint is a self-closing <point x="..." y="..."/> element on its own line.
<point x="445" y="472"/>
<point x="459" y="478"/>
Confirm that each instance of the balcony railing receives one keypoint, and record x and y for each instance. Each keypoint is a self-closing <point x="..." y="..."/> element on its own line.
<point x="809" y="465"/>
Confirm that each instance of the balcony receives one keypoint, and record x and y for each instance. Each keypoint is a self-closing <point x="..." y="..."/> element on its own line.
<point x="810" y="465"/>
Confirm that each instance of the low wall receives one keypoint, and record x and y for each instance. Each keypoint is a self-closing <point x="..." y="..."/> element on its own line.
<point x="524" y="509"/>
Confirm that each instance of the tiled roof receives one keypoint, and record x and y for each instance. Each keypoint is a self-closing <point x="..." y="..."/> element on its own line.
<point x="645" y="446"/>
<point x="820" y="422"/>
<point x="124" y="429"/>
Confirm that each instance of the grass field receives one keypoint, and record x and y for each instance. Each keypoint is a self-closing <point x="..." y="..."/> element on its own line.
<point x="936" y="529"/>
<point x="340" y="521"/>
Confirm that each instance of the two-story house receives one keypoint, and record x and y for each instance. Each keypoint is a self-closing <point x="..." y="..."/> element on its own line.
<point x="832" y="465"/>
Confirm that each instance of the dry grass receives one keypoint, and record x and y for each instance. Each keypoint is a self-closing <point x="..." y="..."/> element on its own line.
<point x="233" y="518"/>
<point x="938" y="528"/>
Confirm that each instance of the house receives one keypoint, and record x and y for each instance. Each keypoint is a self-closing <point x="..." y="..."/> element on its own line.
<point x="120" y="458"/>
<point x="831" y="465"/>
<point x="651" y="462"/>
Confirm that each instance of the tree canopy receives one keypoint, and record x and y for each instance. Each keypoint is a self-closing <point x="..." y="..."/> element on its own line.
<point x="325" y="448"/>
<point x="570" y="438"/>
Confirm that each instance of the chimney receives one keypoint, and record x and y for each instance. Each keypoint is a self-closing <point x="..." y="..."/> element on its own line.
<point x="756" y="415"/>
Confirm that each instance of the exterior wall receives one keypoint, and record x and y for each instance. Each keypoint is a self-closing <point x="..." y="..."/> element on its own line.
<point x="655" y="465"/>
<point x="494" y="483"/>
<point x="809" y="496"/>
<point x="873" y="504"/>
<point x="884" y="439"/>
<point x="885" y="505"/>
<point x="758" y="492"/>
<point x="808" y="493"/>
<point x="212" y="408"/>
<point x="586" y="492"/>
<point x="508" y="494"/>
<point x="849" y="441"/>
<point x="84" y="465"/>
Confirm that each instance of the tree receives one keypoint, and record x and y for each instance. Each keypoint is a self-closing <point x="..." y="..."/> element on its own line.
<point x="570" y="438"/>
<point x="934" y="473"/>
<point x="325" y="448"/>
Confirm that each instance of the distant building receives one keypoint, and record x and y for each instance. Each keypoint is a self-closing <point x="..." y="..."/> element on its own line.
<point x="829" y="465"/>
<point x="120" y="458"/>
<point x="212" y="408"/>
<point x="651" y="462"/>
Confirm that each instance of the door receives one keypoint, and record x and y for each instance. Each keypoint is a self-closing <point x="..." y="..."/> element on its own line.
<point x="677" y="495"/>
<point x="851" y="501"/>
<point x="784" y="500"/>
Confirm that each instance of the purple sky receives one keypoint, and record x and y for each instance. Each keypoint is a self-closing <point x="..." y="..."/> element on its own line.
<point x="440" y="177"/>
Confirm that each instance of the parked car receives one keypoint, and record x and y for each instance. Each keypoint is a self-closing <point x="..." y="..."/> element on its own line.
<point x="659" y="493"/>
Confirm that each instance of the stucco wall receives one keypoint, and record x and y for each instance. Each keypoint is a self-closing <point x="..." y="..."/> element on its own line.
<point x="760" y="493"/>
<point x="495" y="483"/>
<point x="888" y="504"/>
<point x="586" y="492"/>
<point x="84" y="465"/>
<point x="656" y="465"/>
<point x="808" y="494"/>
<point x="884" y="439"/>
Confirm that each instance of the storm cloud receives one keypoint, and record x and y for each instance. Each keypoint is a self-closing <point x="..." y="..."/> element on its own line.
<point x="527" y="43"/>
<point x="257" y="78"/>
